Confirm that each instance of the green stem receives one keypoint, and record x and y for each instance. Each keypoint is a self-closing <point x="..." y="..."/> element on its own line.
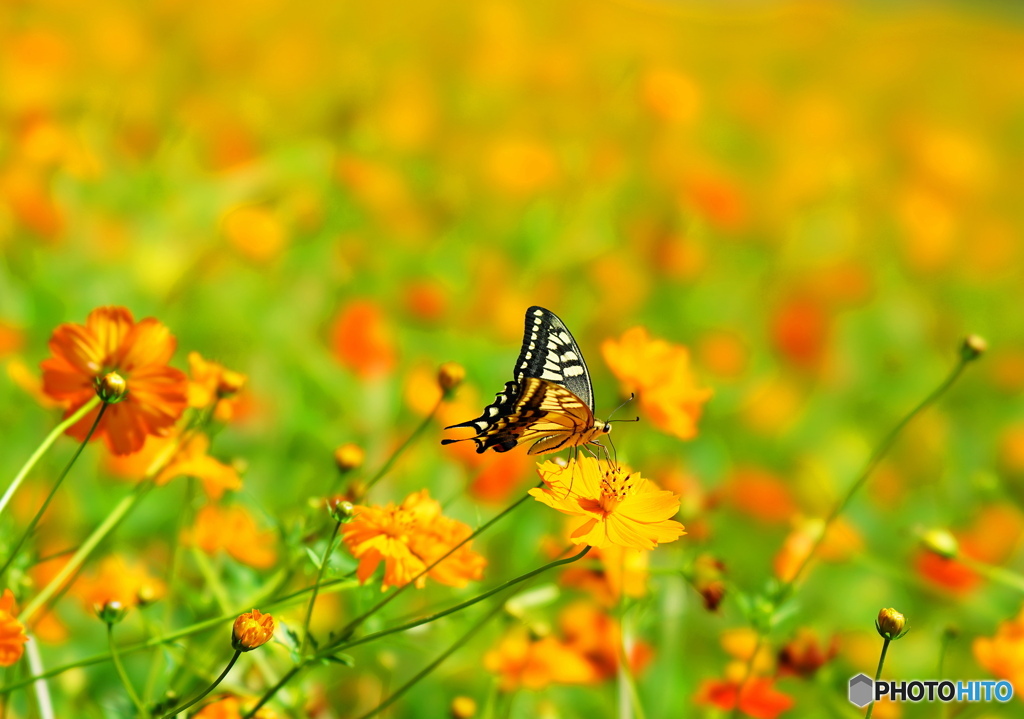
<point x="41" y="450"/>
<point x="333" y="585"/>
<point x="1000" y="575"/>
<point x="46" y="503"/>
<point x="456" y="645"/>
<point x="116" y="658"/>
<point x="205" y="692"/>
<point x="879" y="453"/>
<point x="316" y="589"/>
<point x="97" y="536"/>
<point x="878" y="673"/>
<point x="341" y="644"/>
<point x="405" y="445"/>
<point x="626" y="671"/>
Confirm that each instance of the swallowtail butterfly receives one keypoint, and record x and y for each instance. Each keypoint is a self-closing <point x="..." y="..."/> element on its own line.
<point x="551" y="400"/>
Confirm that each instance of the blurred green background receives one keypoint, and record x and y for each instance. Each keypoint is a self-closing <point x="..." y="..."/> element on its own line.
<point x="818" y="199"/>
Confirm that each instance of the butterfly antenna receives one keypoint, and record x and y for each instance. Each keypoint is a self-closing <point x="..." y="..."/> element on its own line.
<point x="632" y="396"/>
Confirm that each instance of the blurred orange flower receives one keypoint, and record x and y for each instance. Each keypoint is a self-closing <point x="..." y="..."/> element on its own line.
<point x="758" y="698"/>
<point x="118" y="580"/>
<point x="362" y="339"/>
<point x="1003" y="654"/>
<point x="759" y="494"/>
<point x="659" y="372"/>
<point x="619" y="508"/>
<point x="233" y="530"/>
<point x="805" y="654"/>
<point x="211" y="382"/>
<point x="12" y="632"/>
<point x="409" y="538"/>
<point x="841" y="541"/>
<point x="597" y="637"/>
<point x="618" y="572"/>
<point x="231" y="708"/>
<point x="111" y="340"/>
<point x="524" y="662"/>
<point x="192" y="460"/>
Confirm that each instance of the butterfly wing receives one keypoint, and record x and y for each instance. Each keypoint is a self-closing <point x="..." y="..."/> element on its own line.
<point x="551" y="382"/>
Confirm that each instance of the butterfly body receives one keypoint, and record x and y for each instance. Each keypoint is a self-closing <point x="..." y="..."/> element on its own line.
<point x="551" y="400"/>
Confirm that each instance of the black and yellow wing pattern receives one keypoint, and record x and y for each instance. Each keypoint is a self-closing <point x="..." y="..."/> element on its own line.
<point x="551" y="400"/>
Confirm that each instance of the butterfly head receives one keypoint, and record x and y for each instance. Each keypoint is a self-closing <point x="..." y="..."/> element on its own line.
<point x="604" y="427"/>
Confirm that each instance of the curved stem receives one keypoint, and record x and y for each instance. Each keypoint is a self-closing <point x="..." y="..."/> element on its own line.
<point x="116" y="658"/>
<point x="878" y="673"/>
<point x="316" y="588"/>
<point x="397" y="694"/>
<point x="199" y="697"/>
<point x="46" y="503"/>
<point x="386" y="467"/>
<point x="342" y="644"/>
<point x="880" y="451"/>
<point x="41" y="450"/>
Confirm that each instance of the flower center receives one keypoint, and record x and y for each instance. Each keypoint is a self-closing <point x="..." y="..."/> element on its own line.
<point x="615" y="487"/>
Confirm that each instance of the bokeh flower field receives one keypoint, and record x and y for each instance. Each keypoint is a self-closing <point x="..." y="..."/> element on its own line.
<point x="257" y="255"/>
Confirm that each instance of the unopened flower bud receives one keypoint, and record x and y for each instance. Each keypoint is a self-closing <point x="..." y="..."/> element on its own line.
<point x="230" y="383"/>
<point x="341" y="510"/>
<point x="110" y="612"/>
<point x="147" y="594"/>
<point x="348" y="457"/>
<point x="463" y="708"/>
<point x="251" y="630"/>
<point x="891" y="624"/>
<point x="111" y="387"/>
<point x="941" y="542"/>
<point x="450" y="376"/>
<point x="973" y="347"/>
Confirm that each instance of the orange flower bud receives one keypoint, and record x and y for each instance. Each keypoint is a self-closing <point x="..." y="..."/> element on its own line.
<point x="252" y="629"/>
<point x="891" y="624"/>
<point x="348" y="457"/>
<point x="111" y="387"/>
<point x="450" y="376"/>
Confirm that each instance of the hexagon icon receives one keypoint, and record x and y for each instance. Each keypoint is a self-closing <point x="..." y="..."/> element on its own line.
<point x="861" y="690"/>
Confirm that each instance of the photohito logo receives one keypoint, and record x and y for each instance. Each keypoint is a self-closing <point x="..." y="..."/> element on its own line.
<point x="863" y="690"/>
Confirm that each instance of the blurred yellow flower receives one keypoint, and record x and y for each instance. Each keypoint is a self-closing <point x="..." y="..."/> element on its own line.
<point x="256" y="232"/>
<point x="523" y="662"/>
<point x="659" y="372"/>
<point x="211" y="382"/>
<point x="118" y="580"/>
<point x="619" y="508"/>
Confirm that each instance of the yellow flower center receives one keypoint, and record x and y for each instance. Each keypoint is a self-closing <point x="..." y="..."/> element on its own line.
<point x="615" y="487"/>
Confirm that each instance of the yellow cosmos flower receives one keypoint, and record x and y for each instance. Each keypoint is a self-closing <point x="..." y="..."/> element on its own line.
<point x="620" y="508"/>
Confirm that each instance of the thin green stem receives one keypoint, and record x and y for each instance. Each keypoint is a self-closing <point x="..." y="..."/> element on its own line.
<point x="948" y="635"/>
<point x="341" y="644"/>
<point x="999" y="575"/>
<point x="98" y="535"/>
<point x="56" y="485"/>
<point x="626" y="675"/>
<point x="876" y="457"/>
<point x="41" y="450"/>
<point x="205" y="692"/>
<point x="116" y="658"/>
<point x="456" y="645"/>
<point x="333" y="586"/>
<point x="316" y="588"/>
<point x="878" y="673"/>
<point x="386" y="467"/>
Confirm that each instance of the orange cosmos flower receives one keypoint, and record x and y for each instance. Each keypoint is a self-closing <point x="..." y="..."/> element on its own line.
<point x="659" y="372"/>
<point x="409" y="538"/>
<point x="251" y="630"/>
<point x="12" y="632"/>
<point x="522" y="661"/>
<point x="231" y="708"/>
<point x="1003" y="654"/>
<point x="618" y="507"/>
<point x="362" y="340"/>
<point x="211" y="382"/>
<point x="758" y="698"/>
<point x="111" y="340"/>
<point x="233" y="530"/>
<point x="191" y="460"/>
<point x="117" y="580"/>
